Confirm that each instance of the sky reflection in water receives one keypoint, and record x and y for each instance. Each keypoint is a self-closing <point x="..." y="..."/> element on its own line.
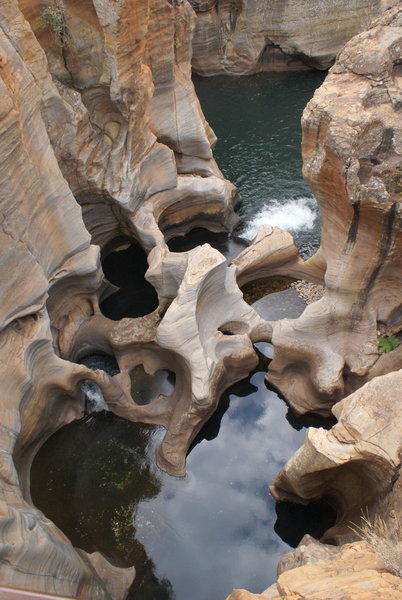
<point x="196" y="537"/>
<point x="213" y="530"/>
<point x="200" y="536"/>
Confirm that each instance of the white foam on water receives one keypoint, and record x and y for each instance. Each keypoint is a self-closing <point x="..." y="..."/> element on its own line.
<point x="294" y="215"/>
<point x="95" y="402"/>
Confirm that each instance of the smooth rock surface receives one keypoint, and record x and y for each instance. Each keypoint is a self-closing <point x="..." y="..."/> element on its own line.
<point x="356" y="463"/>
<point x="247" y="36"/>
<point x="102" y="141"/>
<point x="78" y="121"/>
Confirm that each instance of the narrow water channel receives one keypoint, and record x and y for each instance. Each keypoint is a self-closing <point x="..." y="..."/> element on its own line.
<point x="217" y="528"/>
<point x="257" y="122"/>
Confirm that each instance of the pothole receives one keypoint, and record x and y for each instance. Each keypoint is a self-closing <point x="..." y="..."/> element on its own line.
<point x="226" y="244"/>
<point x="136" y="297"/>
<point x="146" y="388"/>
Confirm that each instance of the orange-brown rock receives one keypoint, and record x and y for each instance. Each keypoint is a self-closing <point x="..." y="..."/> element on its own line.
<point x="356" y="463"/>
<point x="352" y="161"/>
<point x="97" y="114"/>
<point x="355" y="573"/>
<point x="102" y="138"/>
<point x="246" y="36"/>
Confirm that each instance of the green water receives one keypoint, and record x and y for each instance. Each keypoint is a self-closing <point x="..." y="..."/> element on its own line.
<point x="257" y="122"/>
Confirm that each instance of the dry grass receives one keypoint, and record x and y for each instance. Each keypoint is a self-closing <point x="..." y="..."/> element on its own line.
<point x="386" y="541"/>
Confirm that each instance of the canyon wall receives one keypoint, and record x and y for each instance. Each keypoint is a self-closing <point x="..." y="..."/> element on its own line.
<point x="98" y="119"/>
<point x="330" y="360"/>
<point x="240" y="37"/>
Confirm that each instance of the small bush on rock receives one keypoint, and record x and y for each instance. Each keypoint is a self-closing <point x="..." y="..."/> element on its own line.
<point x="53" y="18"/>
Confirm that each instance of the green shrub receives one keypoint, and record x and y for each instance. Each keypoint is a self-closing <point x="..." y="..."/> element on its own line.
<point x="52" y="17"/>
<point x="388" y="343"/>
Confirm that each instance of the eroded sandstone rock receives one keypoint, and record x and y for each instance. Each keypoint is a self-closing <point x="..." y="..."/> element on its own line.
<point x="106" y="112"/>
<point x="247" y="36"/>
<point x="356" y="573"/>
<point x="92" y="129"/>
<point x="356" y="463"/>
<point x="352" y="162"/>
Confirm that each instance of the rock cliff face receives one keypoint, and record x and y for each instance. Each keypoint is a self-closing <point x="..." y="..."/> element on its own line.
<point x="352" y="162"/>
<point x="247" y="36"/>
<point x="100" y="113"/>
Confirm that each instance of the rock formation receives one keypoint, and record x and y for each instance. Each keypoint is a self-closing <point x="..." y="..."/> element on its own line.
<point x="107" y="117"/>
<point x="352" y="156"/>
<point x="353" y="572"/>
<point x="102" y="144"/>
<point x="247" y="36"/>
<point x="352" y="161"/>
<point x="355" y="465"/>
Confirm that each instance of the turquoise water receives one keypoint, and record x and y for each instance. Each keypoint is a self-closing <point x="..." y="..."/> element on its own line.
<point x="257" y="122"/>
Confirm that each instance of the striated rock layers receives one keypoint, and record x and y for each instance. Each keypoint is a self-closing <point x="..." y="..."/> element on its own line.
<point x="101" y="114"/>
<point x="352" y="161"/>
<point x="247" y="36"/>
<point x="329" y="358"/>
<point x="103" y="144"/>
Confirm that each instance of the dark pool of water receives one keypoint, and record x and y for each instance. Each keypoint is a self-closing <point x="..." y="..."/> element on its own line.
<point x="196" y="537"/>
<point x="145" y="387"/>
<point x="136" y="297"/>
<point x="105" y="362"/>
<point x="257" y="121"/>
<point x="228" y="245"/>
<point x="217" y="528"/>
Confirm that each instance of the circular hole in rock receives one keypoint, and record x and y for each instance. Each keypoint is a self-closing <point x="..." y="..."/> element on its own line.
<point x="146" y="388"/>
<point x="227" y="245"/>
<point x="100" y="361"/>
<point x="296" y="520"/>
<point x="136" y="297"/>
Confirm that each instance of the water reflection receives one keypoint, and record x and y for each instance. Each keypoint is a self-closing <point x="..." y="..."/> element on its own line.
<point x="228" y="245"/>
<point x="218" y="521"/>
<point x="145" y="387"/>
<point x="257" y="121"/>
<point x="194" y="537"/>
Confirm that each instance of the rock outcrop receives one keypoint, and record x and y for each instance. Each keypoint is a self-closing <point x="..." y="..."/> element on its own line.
<point x="103" y="143"/>
<point x="247" y="36"/>
<point x="355" y="464"/>
<point x="352" y="161"/>
<point x="103" y="115"/>
<point x="354" y="572"/>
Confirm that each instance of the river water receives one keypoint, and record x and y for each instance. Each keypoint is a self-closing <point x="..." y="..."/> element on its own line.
<point x="215" y="529"/>
<point x="257" y="122"/>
